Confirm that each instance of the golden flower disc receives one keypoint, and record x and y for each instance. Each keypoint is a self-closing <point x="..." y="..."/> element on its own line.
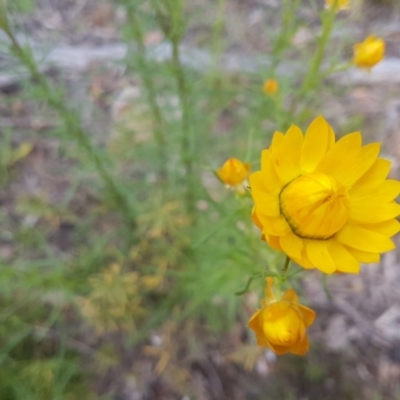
<point x="315" y="206"/>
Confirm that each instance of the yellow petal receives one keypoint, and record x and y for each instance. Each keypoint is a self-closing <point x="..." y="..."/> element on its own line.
<point x="292" y="245"/>
<point x="269" y="293"/>
<point x="308" y="315"/>
<point x="363" y="239"/>
<point x="274" y="226"/>
<point x="255" y="219"/>
<point x="352" y="167"/>
<point x="364" y="256"/>
<point x="273" y="241"/>
<point x="374" y="213"/>
<point x="286" y="158"/>
<point x="300" y="348"/>
<point x="319" y="256"/>
<point x="304" y="260"/>
<point x="344" y="260"/>
<point x="385" y="192"/>
<point x="332" y="159"/>
<point x="264" y="200"/>
<point x="386" y="228"/>
<point x="279" y="350"/>
<point x="277" y="140"/>
<point x="373" y="177"/>
<point x="290" y="296"/>
<point x="270" y="176"/>
<point x="316" y="141"/>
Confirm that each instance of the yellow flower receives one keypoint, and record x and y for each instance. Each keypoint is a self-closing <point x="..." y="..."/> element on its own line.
<point x="233" y="172"/>
<point x="270" y="86"/>
<point x="369" y="52"/>
<point x="341" y="4"/>
<point x="281" y="325"/>
<point x="326" y="204"/>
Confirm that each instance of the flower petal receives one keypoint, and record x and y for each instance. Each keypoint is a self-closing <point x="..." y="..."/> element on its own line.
<point x="292" y="245"/>
<point x="264" y="200"/>
<point x="385" y="192"/>
<point x="344" y="260"/>
<point x="308" y="315"/>
<point x="353" y="166"/>
<point x="374" y="213"/>
<point x="373" y="177"/>
<point x="270" y="176"/>
<point x="364" y="256"/>
<point x="300" y="348"/>
<point x="347" y="144"/>
<point x="386" y="228"/>
<point x="286" y="158"/>
<point x="316" y="142"/>
<point x="363" y="239"/>
<point x="319" y="256"/>
<point x="290" y="296"/>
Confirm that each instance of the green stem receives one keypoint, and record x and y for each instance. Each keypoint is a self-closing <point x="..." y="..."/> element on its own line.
<point x="171" y="20"/>
<point x="246" y="288"/>
<point x="186" y="136"/>
<point x="286" y="266"/>
<point x="312" y="79"/>
<point x="151" y="92"/>
<point x="73" y="127"/>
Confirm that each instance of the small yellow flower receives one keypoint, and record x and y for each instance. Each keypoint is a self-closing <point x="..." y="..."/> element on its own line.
<point x="270" y="86"/>
<point x="369" y="53"/>
<point x="326" y="204"/>
<point x="233" y="172"/>
<point x="341" y="4"/>
<point x="281" y="325"/>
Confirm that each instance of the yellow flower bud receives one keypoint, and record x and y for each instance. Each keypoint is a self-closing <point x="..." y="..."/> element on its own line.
<point x="281" y="325"/>
<point x="340" y="4"/>
<point x="369" y="52"/>
<point x="233" y="172"/>
<point x="270" y="86"/>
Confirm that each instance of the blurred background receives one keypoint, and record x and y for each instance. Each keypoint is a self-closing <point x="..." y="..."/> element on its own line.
<point x="120" y="250"/>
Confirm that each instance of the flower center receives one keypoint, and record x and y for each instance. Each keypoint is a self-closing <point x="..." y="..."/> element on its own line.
<point x="282" y="325"/>
<point x="316" y="206"/>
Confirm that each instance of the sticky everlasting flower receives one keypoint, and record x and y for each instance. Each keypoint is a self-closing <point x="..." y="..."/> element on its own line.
<point x="340" y="4"/>
<point x="326" y="204"/>
<point x="281" y="325"/>
<point x="369" y="52"/>
<point x="233" y="172"/>
<point x="270" y="86"/>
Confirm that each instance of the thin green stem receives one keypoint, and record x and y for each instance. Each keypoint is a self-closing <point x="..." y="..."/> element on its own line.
<point x="312" y="78"/>
<point x="171" y="21"/>
<point x="186" y="134"/>
<point x="286" y="265"/>
<point x="151" y="91"/>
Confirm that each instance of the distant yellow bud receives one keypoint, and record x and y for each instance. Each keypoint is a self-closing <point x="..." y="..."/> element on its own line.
<point x="233" y="172"/>
<point x="369" y="52"/>
<point x="340" y="4"/>
<point x="270" y="86"/>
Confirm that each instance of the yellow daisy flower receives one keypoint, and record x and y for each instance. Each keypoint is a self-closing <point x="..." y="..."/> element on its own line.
<point x="326" y="204"/>
<point x="270" y="86"/>
<point x="281" y="325"/>
<point x="369" y="52"/>
<point x="233" y="172"/>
